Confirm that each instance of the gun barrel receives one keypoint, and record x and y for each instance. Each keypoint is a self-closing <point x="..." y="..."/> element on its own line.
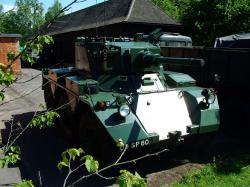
<point x="146" y="59"/>
<point x="193" y="62"/>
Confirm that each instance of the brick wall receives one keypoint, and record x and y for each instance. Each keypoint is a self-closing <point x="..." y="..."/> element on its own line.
<point x="10" y="42"/>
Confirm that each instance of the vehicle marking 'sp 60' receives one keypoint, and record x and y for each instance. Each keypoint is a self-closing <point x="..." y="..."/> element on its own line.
<point x="141" y="143"/>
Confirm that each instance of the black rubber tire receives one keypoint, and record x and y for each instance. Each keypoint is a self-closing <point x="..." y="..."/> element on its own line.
<point x="87" y="133"/>
<point x="66" y="121"/>
<point x="94" y="140"/>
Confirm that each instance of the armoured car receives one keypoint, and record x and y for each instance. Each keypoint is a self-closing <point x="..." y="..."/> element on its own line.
<point x="118" y="92"/>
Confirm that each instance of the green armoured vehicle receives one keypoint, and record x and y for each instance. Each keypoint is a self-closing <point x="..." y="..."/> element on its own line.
<point x="118" y="92"/>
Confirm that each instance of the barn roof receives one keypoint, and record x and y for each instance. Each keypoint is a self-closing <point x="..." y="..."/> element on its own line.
<point x="111" y="12"/>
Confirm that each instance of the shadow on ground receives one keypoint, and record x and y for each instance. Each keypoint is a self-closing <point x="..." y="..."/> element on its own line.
<point x="41" y="150"/>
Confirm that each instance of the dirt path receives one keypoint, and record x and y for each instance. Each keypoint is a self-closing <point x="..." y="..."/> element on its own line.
<point x="168" y="177"/>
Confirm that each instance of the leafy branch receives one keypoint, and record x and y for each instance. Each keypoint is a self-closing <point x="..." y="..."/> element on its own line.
<point x="25" y="183"/>
<point x="126" y="179"/>
<point x="41" y="121"/>
<point x="70" y="155"/>
<point x="11" y="156"/>
<point x="12" y="153"/>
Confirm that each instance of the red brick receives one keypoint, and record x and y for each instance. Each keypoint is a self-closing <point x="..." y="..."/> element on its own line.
<point x="8" y="44"/>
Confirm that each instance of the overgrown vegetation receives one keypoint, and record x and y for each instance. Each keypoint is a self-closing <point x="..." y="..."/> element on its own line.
<point x="26" y="17"/>
<point x="125" y="179"/>
<point x="171" y="7"/>
<point x="204" y="20"/>
<point x="229" y="172"/>
<point x="53" y="10"/>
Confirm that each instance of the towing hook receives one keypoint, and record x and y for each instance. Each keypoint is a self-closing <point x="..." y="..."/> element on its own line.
<point x="175" y="136"/>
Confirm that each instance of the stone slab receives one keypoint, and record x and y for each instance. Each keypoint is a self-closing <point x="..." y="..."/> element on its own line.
<point x="9" y="176"/>
<point x="2" y="125"/>
<point x="168" y="177"/>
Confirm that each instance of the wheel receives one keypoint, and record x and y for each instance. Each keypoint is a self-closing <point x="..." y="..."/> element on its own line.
<point x="48" y="97"/>
<point x="94" y="139"/>
<point x="203" y="145"/>
<point x="88" y="135"/>
<point x="66" y="121"/>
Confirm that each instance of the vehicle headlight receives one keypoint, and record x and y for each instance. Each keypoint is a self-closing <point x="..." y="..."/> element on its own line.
<point x="209" y="96"/>
<point x="210" y="99"/>
<point x="124" y="110"/>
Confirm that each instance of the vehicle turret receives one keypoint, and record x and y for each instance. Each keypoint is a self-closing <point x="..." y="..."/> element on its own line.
<point x="125" y="57"/>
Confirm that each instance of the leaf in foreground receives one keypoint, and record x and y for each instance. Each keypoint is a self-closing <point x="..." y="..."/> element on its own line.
<point x="91" y="164"/>
<point x="127" y="179"/>
<point x="25" y="183"/>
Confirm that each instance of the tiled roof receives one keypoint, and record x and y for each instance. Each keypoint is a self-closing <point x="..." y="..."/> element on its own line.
<point x="111" y="12"/>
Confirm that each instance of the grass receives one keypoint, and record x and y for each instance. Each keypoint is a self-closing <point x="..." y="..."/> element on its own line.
<point x="230" y="172"/>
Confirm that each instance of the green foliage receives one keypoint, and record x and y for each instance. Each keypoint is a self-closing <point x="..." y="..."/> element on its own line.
<point x="43" y="40"/>
<point x="11" y="56"/>
<point x="27" y="18"/>
<point x="53" y="11"/>
<point x="11" y="157"/>
<point x="223" y="173"/>
<point x="44" y="120"/>
<point x="25" y="183"/>
<point x="91" y="165"/>
<point x="68" y="156"/>
<point x="120" y="144"/>
<point x="1" y="96"/>
<point x="127" y="179"/>
<point x="71" y="154"/>
<point x="1" y="9"/>
<point x="169" y="6"/>
<point x="7" y="77"/>
<point x="37" y="47"/>
<point x="28" y="58"/>
<point x="204" y="20"/>
<point x="1" y="19"/>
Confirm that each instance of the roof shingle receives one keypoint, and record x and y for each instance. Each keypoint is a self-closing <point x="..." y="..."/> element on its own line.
<point x="111" y="12"/>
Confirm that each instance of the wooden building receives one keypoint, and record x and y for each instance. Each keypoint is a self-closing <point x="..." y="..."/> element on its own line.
<point x="111" y="18"/>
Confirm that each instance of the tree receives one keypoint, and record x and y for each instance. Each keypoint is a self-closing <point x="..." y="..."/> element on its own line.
<point x="198" y="18"/>
<point x="26" y="19"/>
<point x="169" y="6"/>
<point x="53" y="10"/>
<point x="1" y="20"/>
<point x="1" y="9"/>
<point x="204" y="20"/>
